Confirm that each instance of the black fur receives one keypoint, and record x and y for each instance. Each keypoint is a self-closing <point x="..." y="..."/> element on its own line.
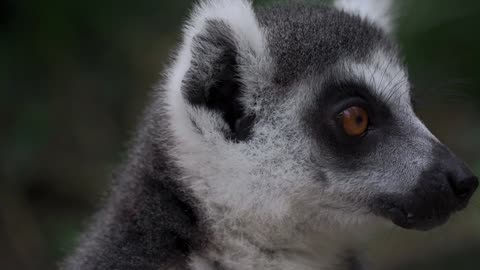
<point x="213" y="78"/>
<point x="321" y="122"/>
<point x="350" y="261"/>
<point x="445" y="187"/>
<point x="149" y="221"/>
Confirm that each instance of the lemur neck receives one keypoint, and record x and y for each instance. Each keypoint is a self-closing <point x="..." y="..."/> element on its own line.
<point x="232" y="250"/>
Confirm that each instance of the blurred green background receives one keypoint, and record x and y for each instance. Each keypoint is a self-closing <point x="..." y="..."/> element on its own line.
<point x="75" y="75"/>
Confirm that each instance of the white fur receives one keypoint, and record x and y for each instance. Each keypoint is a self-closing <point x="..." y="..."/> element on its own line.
<point x="385" y="75"/>
<point x="377" y="11"/>
<point x="236" y="182"/>
<point x="201" y="151"/>
<point x="254" y="193"/>
<point x="388" y="78"/>
<point x="259" y="195"/>
<point x="240" y="17"/>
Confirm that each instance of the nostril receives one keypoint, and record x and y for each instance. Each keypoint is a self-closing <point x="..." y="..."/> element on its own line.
<point x="465" y="187"/>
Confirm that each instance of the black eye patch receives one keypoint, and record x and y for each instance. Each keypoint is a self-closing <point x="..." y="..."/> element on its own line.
<point x="321" y="119"/>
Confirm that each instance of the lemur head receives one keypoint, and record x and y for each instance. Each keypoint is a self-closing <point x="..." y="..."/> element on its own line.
<point x="300" y="116"/>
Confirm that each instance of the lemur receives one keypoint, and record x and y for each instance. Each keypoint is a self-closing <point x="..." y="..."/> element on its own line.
<point x="274" y="136"/>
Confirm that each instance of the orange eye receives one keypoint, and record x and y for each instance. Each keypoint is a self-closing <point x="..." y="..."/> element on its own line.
<point x="354" y="121"/>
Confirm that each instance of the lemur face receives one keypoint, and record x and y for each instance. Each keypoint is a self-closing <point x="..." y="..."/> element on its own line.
<point x="300" y="117"/>
<point x="375" y="153"/>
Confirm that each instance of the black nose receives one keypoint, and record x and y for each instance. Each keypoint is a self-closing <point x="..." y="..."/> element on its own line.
<point x="460" y="178"/>
<point x="464" y="186"/>
<point x="442" y="189"/>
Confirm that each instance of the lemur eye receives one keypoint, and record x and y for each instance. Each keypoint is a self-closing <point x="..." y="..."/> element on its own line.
<point x="354" y="121"/>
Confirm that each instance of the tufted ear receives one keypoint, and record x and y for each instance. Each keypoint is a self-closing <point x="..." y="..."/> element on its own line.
<point x="377" y="11"/>
<point x="213" y="80"/>
<point x="220" y="39"/>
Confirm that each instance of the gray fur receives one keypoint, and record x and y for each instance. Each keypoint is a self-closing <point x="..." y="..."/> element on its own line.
<point x="148" y="220"/>
<point x="241" y="164"/>
<point x="319" y="36"/>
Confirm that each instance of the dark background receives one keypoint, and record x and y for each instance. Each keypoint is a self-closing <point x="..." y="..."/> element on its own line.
<point x="75" y="75"/>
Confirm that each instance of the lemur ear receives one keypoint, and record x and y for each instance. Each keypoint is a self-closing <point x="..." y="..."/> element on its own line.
<point x="221" y="37"/>
<point x="377" y="11"/>
<point x="213" y="79"/>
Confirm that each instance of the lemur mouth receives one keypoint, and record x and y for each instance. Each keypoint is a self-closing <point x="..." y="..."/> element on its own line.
<point x="419" y="211"/>
<point x="413" y="216"/>
<point x="440" y="191"/>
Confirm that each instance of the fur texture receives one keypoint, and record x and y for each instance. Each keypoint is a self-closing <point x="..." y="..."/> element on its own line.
<point x="377" y="11"/>
<point x="242" y="163"/>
